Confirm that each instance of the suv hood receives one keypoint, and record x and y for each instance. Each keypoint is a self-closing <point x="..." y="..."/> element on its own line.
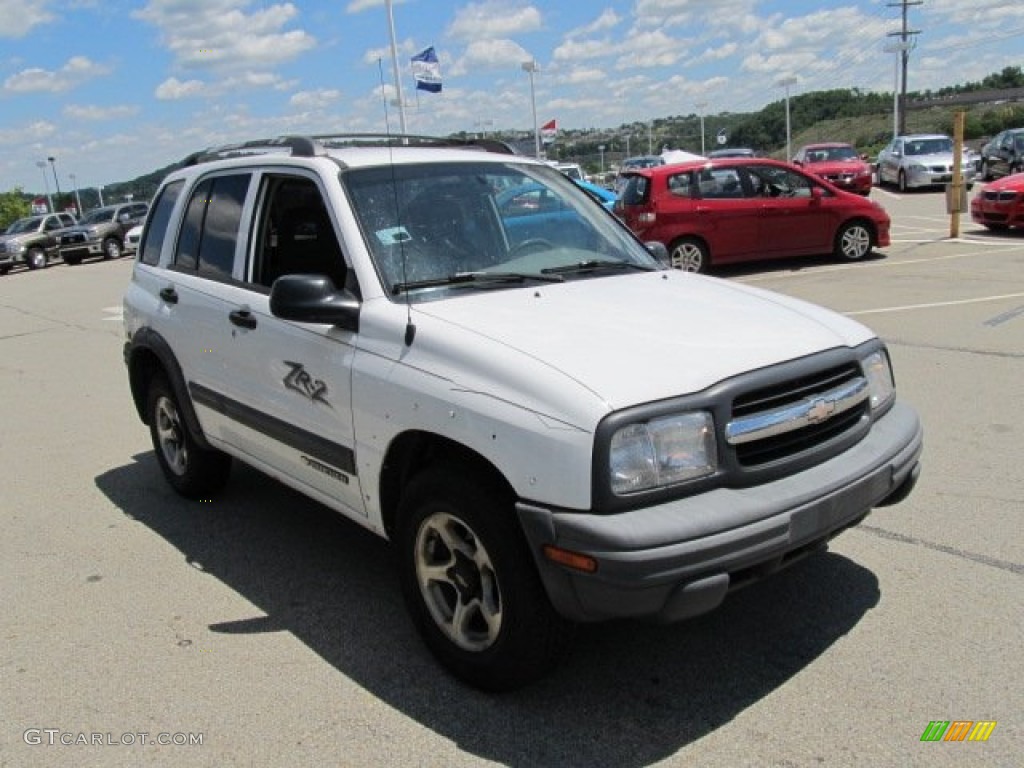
<point x="601" y="334"/>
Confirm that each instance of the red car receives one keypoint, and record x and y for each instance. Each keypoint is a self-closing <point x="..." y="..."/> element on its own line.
<point x="838" y="163"/>
<point x="729" y="210"/>
<point x="1000" y="204"/>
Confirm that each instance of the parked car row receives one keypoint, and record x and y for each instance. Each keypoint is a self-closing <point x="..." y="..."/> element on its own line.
<point x="37" y="240"/>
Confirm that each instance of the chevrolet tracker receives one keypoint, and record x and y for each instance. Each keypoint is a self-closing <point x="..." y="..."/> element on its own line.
<point x="549" y="424"/>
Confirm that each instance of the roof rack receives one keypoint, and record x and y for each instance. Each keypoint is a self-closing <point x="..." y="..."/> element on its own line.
<point x="313" y="146"/>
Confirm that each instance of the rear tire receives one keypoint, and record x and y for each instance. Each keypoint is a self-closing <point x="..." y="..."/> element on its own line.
<point x="690" y="255"/>
<point x="111" y="248"/>
<point x="193" y="471"/>
<point x="470" y="583"/>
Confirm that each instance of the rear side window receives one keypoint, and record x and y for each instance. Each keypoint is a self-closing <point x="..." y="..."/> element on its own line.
<point x="153" y="236"/>
<point x="637" y="190"/>
<point x="210" y="230"/>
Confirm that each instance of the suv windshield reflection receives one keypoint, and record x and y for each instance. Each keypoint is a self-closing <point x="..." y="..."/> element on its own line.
<point x="426" y="226"/>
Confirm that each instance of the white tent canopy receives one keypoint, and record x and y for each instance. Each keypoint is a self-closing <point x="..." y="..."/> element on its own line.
<point x="671" y="156"/>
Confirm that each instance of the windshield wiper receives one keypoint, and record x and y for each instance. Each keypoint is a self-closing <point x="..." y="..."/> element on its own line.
<point x="592" y="265"/>
<point x="476" y="278"/>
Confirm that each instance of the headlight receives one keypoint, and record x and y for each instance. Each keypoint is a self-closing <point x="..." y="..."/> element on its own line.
<point x="916" y="168"/>
<point x="881" y="385"/>
<point x="662" y="452"/>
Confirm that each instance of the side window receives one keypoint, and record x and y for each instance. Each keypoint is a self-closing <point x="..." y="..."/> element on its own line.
<point x="210" y="229"/>
<point x="680" y="184"/>
<point x="295" y="234"/>
<point x="186" y="255"/>
<point x="153" y="236"/>
<point x="772" y="181"/>
<point x="720" y="183"/>
<point x="52" y="223"/>
<point x="220" y="230"/>
<point x="67" y="220"/>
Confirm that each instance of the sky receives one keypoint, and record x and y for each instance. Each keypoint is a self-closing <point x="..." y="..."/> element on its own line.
<point x="113" y="90"/>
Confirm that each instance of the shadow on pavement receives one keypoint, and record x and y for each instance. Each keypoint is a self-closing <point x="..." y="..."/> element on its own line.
<point x="629" y="695"/>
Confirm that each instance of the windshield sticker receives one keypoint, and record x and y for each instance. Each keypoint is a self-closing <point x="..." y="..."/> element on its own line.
<point x="393" y="235"/>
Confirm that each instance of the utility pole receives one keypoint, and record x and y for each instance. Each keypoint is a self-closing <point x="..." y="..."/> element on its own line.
<point x="904" y="35"/>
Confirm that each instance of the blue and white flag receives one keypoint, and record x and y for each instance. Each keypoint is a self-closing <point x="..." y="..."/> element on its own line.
<point x="427" y="71"/>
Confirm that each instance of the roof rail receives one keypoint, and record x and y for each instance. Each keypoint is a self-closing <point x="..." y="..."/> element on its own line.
<point x="299" y="146"/>
<point x="335" y="141"/>
<point x="313" y="146"/>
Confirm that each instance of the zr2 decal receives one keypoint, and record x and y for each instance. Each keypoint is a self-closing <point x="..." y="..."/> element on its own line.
<point x="299" y="380"/>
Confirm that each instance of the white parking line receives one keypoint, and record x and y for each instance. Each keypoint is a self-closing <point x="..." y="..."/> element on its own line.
<point x="115" y="313"/>
<point x="933" y="305"/>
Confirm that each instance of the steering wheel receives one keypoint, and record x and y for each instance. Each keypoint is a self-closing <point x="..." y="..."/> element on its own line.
<point x="531" y="245"/>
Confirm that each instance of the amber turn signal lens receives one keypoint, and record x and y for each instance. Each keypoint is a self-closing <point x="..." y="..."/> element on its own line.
<point x="573" y="560"/>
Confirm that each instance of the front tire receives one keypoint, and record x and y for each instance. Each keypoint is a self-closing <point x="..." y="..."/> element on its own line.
<point x="470" y="583"/>
<point x="901" y="181"/>
<point x="853" y="241"/>
<point x="690" y="255"/>
<point x="36" y="258"/>
<point x="193" y="471"/>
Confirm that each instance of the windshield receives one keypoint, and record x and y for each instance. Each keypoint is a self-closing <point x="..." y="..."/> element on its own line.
<point x="433" y="229"/>
<point x="929" y="146"/>
<point x="830" y="154"/>
<point x="99" y="216"/>
<point x="24" y="225"/>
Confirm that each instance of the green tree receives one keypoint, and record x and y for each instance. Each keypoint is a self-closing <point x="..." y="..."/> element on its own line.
<point x="13" y="206"/>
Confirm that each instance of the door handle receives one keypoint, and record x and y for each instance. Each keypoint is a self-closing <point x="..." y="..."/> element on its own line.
<point x="243" y="318"/>
<point x="169" y="295"/>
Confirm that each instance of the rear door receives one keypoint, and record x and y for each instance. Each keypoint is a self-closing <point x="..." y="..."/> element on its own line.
<point x="724" y="214"/>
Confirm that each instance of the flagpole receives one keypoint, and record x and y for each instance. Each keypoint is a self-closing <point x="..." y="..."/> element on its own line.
<point x="394" y="67"/>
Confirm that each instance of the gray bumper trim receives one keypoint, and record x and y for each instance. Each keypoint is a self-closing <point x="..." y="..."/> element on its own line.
<point x="680" y="558"/>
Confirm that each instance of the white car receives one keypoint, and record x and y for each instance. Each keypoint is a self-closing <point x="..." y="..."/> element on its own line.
<point x="922" y="160"/>
<point x="548" y="424"/>
<point x="131" y="239"/>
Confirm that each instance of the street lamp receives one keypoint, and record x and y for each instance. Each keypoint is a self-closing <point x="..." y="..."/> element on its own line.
<point x="41" y="165"/>
<point x="53" y="164"/>
<point x="483" y="125"/>
<point x="99" y="193"/>
<point x="701" y="105"/>
<point x="785" y="83"/>
<point x="600" y="148"/>
<point x="531" y="68"/>
<point x="78" y="200"/>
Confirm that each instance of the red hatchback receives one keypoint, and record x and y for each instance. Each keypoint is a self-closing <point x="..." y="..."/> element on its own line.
<point x="1000" y="204"/>
<point x="711" y="212"/>
<point x="838" y="163"/>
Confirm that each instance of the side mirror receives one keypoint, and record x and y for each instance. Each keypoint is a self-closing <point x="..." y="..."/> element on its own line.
<point x="659" y="252"/>
<point x="314" y="299"/>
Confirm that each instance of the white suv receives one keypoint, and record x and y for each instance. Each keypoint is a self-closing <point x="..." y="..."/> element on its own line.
<point x="549" y="425"/>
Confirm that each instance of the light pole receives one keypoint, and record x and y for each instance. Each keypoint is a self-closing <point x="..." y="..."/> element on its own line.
<point x="700" y="109"/>
<point x="41" y="165"/>
<point x="531" y="68"/>
<point x="394" y="67"/>
<point x="483" y="126"/>
<point x="53" y="165"/>
<point x="785" y="83"/>
<point x="600" y="148"/>
<point x="99" y="193"/>
<point x="627" y="145"/>
<point x="78" y="200"/>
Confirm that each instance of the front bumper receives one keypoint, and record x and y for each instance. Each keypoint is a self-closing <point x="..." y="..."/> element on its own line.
<point x="681" y="558"/>
<point x="82" y="250"/>
<point x="931" y="177"/>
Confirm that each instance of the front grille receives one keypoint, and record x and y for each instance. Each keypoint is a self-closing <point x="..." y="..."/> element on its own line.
<point x="1000" y="196"/>
<point x="805" y="393"/>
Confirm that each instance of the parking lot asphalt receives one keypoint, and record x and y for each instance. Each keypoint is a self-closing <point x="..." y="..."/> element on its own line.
<point x="274" y="633"/>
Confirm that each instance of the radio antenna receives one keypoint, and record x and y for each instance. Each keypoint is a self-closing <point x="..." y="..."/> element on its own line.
<point x="410" y="328"/>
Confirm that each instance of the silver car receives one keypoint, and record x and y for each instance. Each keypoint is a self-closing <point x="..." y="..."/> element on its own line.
<point x="921" y="160"/>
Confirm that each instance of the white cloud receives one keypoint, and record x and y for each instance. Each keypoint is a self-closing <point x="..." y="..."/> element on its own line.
<point x="75" y="71"/>
<point x="26" y="133"/>
<point x="172" y="89"/>
<point x="607" y="20"/>
<point x="94" y="112"/>
<point x="491" y="54"/>
<point x="221" y="34"/>
<point x="493" y="19"/>
<point x="318" y="99"/>
<point x="19" y="17"/>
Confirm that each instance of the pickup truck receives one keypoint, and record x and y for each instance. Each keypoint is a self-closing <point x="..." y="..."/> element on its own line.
<point x="33" y="240"/>
<point x="101" y="232"/>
